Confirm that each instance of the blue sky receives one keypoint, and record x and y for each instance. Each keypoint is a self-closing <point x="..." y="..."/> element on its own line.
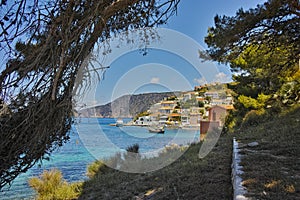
<point x="172" y="62"/>
<point x="195" y="16"/>
<point x="169" y="68"/>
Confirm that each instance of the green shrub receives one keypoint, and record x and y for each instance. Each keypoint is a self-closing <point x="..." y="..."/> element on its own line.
<point x="201" y="104"/>
<point x="51" y="185"/>
<point x="255" y="117"/>
<point x="133" y="148"/>
<point x="132" y="153"/>
<point x="96" y="167"/>
<point x="254" y="103"/>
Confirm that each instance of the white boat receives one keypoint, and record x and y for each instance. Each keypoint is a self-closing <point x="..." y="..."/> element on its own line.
<point x="153" y="129"/>
<point x="119" y="122"/>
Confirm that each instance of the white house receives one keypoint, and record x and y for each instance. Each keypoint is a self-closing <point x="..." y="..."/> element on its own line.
<point x="163" y="119"/>
<point x="144" y="120"/>
<point x="214" y="95"/>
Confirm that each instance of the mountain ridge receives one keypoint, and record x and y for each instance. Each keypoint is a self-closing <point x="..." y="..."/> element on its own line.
<point x="126" y="106"/>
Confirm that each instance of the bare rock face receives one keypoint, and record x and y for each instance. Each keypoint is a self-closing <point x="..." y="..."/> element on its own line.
<point x="126" y="106"/>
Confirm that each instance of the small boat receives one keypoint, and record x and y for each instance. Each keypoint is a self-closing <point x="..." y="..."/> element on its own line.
<point x="119" y="122"/>
<point x="156" y="129"/>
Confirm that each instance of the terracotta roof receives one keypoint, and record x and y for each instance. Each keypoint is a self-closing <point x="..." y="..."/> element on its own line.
<point x="166" y="108"/>
<point x="227" y="107"/>
<point x="167" y="102"/>
<point x="174" y="115"/>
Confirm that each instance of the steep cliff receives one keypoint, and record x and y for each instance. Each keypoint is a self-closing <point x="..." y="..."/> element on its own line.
<point x="127" y="105"/>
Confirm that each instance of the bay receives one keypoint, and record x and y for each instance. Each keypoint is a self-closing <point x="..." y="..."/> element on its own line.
<point x="91" y="139"/>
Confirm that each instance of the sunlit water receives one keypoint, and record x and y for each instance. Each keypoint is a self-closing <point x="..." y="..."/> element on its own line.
<point x="91" y="139"/>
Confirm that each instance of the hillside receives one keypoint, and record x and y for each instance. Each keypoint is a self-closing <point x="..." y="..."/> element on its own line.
<point x="127" y="105"/>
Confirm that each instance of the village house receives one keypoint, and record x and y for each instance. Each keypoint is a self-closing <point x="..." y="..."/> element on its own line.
<point x="143" y="121"/>
<point x="217" y="102"/>
<point x="195" y="109"/>
<point x="200" y="98"/>
<point x="195" y="119"/>
<point x="166" y="110"/>
<point x="187" y="96"/>
<point x="163" y="119"/>
<point x="189" y="114"/>
<point x="167" y="107"/>
<point x="171" y="104"/>
<point x="174" y="119"/>
<point x="185" y="120"/>
<point x="216" y="117"/>
<point x="213" y="95"/>
<point x="218" y="113"/>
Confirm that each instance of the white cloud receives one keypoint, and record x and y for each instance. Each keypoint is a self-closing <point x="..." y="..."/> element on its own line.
<point x="154" y="80"/>
<point x="222" y="78"/>
<point x="200" y="81"/>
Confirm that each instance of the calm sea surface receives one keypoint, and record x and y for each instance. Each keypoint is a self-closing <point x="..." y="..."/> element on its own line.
<point x="95" y="138"/>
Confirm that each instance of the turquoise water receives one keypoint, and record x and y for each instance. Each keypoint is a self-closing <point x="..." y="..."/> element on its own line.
<point x="91" y="139"/>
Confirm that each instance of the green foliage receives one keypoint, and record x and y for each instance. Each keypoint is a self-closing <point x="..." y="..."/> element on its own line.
<point x="201" y="104"/>
<point x="132" y="155"/>
<point x="201" y="90"/>
<point x="208" y="99"/>
<point x="202" y="111"/>
<point x="177" y="105"/>
<point x="254" y="118"/>
<point x="252" y="103"/>
<point x="171" y="98"/>
<point x="289" y="93"/>
<point x="96" y="167"/>
<point x="205" y="117"/>
<point x="264" y="74"/>
<point x="267" y="61"/>
<point x="133" y="148"/>
<point x="216" y="87"/>
<point x="232" y="120"/>
<point x="141" y="114"/>
<point x="261" y="25"/>
<point x="51" y="185"/>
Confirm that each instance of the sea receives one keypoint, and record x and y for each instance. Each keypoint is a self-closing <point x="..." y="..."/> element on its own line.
<point x="92" y="139"/>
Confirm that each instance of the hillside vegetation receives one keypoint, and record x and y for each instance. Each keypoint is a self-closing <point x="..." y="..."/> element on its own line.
<point x="272" y="168"/>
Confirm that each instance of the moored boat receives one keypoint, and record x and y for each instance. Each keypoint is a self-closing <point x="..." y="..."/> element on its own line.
<point x="156" y="129"/>
<point x="119" y="122"/>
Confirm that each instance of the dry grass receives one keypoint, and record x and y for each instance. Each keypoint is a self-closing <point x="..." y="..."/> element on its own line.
<point x="272" y="168"/>
<point x="187" y="178"/>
